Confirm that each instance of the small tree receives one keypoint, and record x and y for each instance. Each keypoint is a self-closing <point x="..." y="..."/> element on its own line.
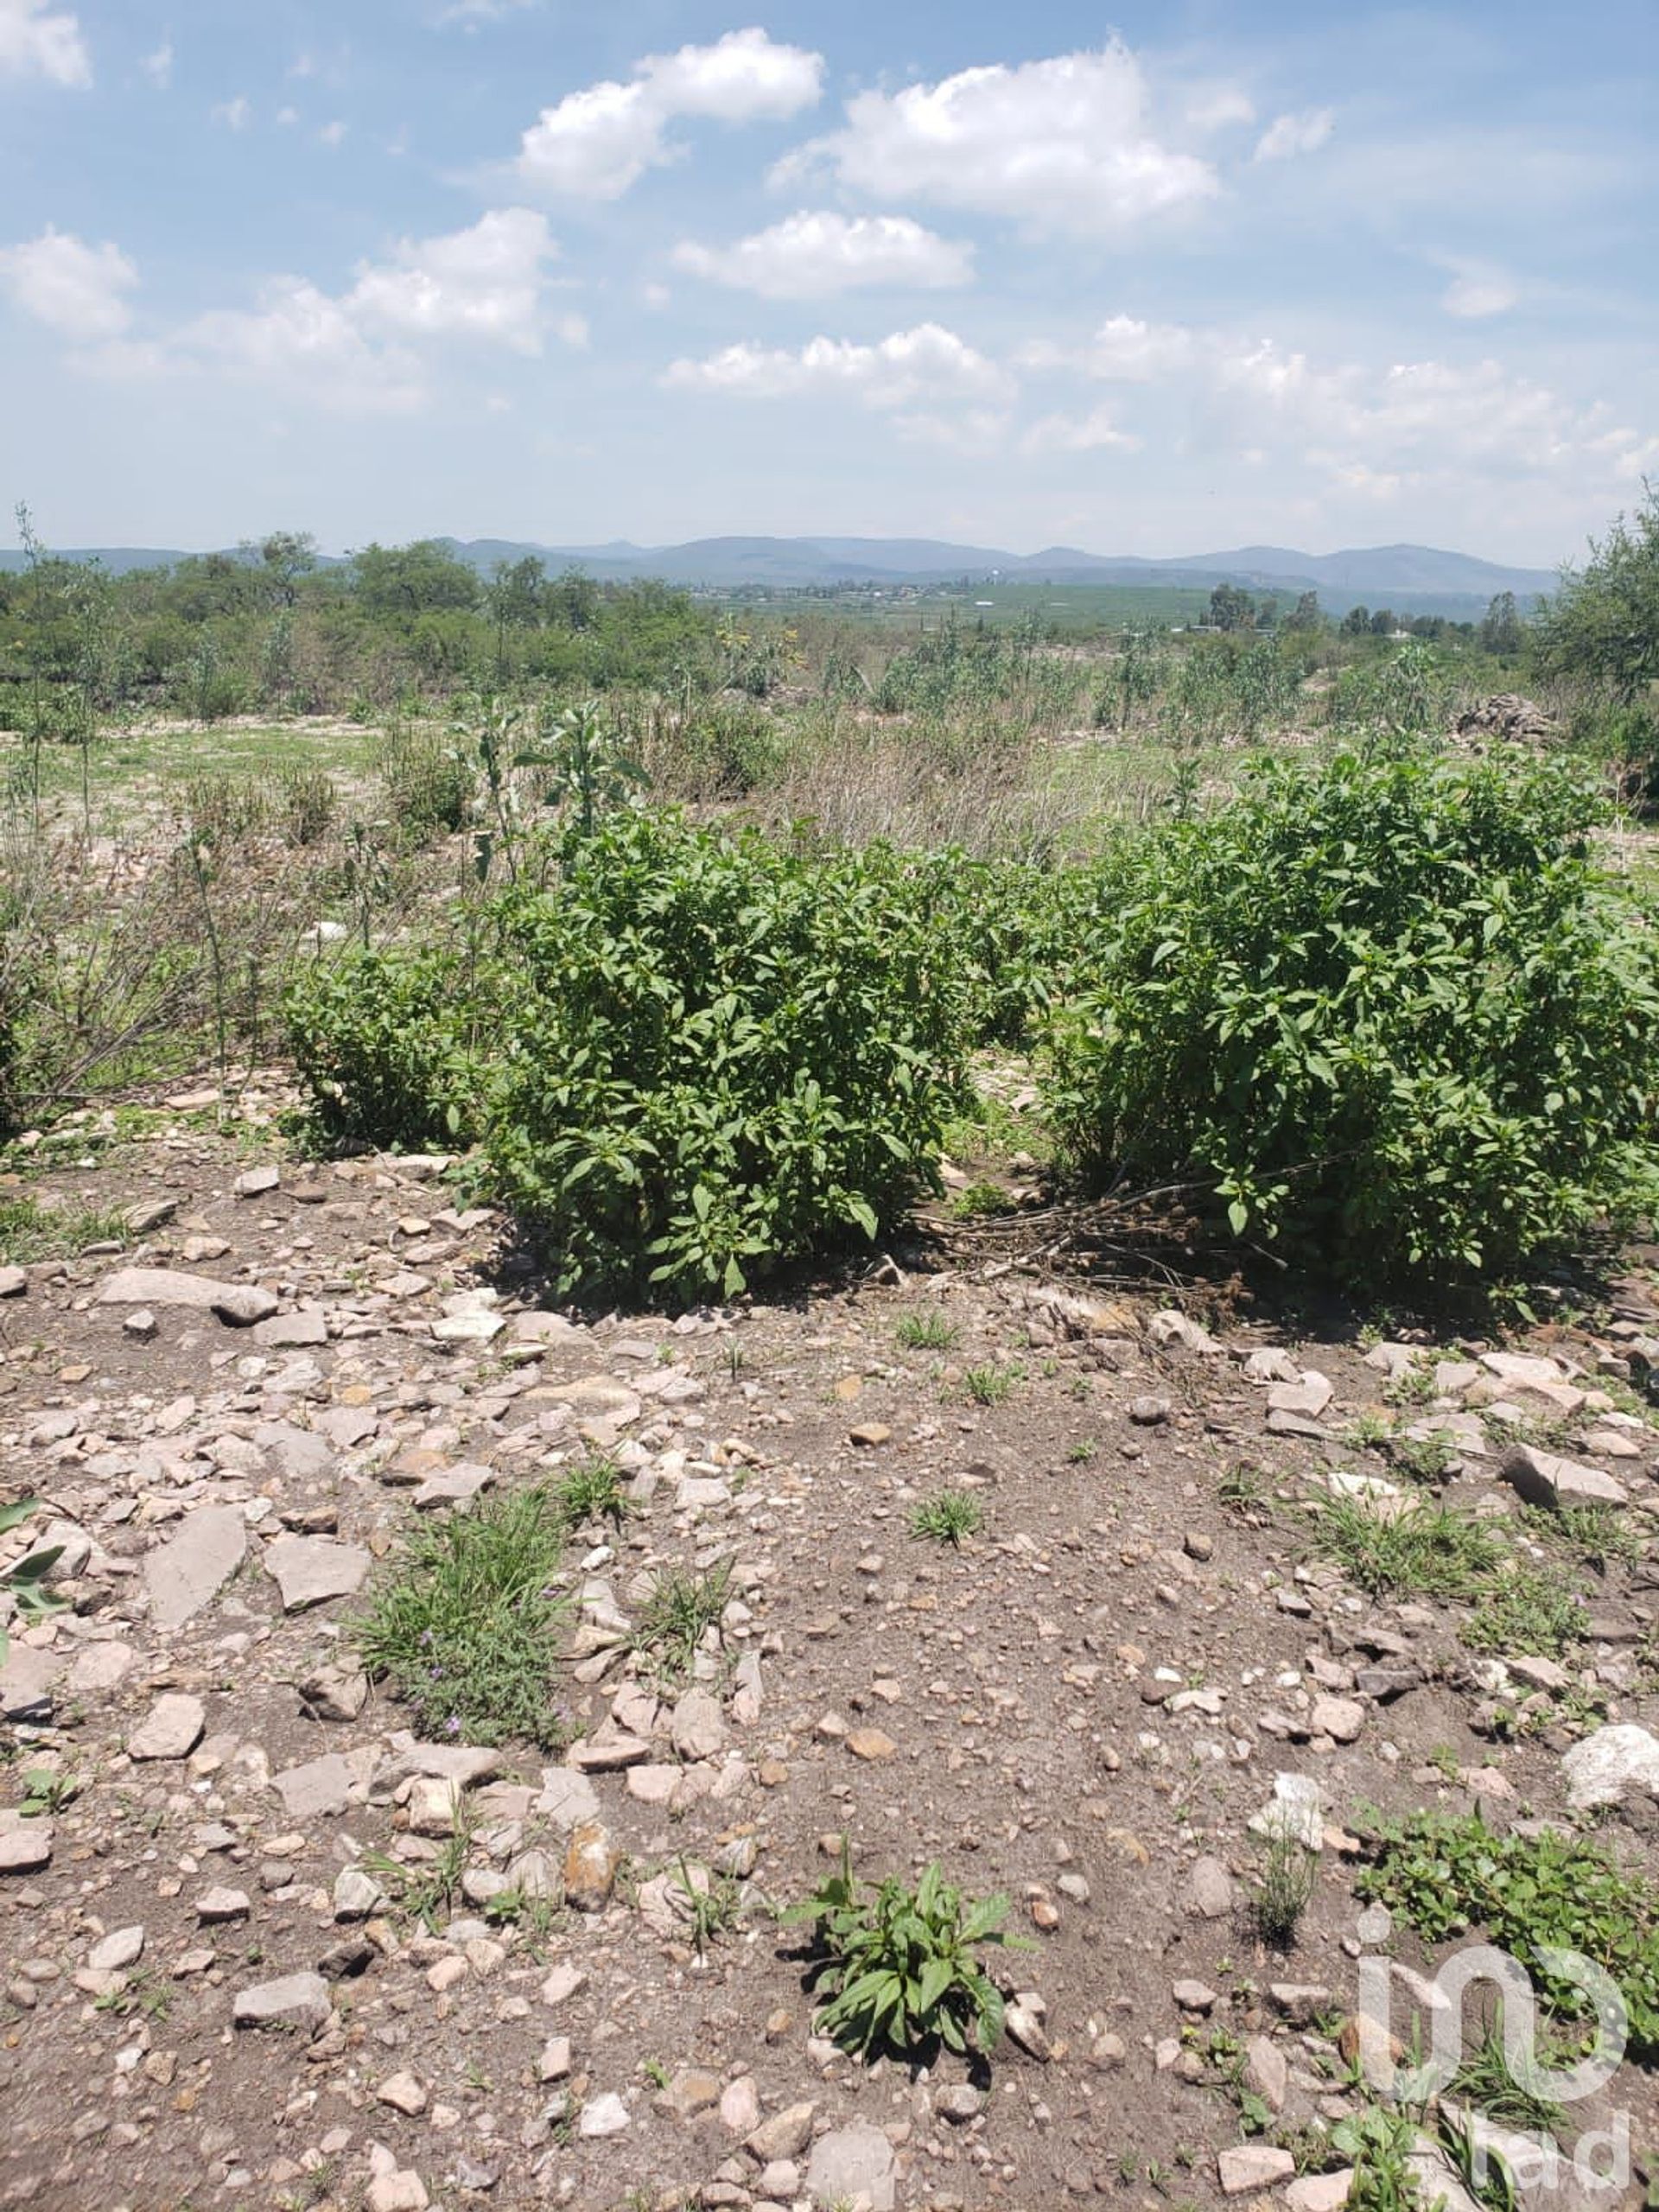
<point x="1305" y="615"/>
<point x="1604" y="622"/>
<point x="1357" y="622"/>
<point x="1231" y="607"/>
<point x="1500" y="629"/>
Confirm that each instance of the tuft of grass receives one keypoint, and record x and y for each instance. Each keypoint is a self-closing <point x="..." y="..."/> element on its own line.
<point x="1426" y="1460"/>
<point x="1534" y="1612"/>
<point x="982" y="1202"/>
<point x="1080" y="1453"/>
<point x="592" y="1491"/>
<point x="990" y="1386"/>
<point x="949" y="1517"/>
<point x="1484" y="2081"/>
<point x="1287" y="1885"/>
<point x="1433" y="1554"/>
<point x="710" y="1909"/>
<point x="925" y="1330"/>
<point x="1596" y="1533"/>
<point x="29" y="1232"/>
<point x="465" y="1623"/>
<point x="683" y="1607"/>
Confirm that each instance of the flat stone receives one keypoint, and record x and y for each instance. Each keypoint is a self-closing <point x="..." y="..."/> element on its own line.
<point x="591" y="1861"/>
<point x="1267" y="2071"/>
<point x="116" y="1952"/>
<point x="1310" y="1395"/>
<point x="471" y="1328"/>
<point x="217" y="1907"/>
<point x="13" y="1282"/>
<point x="357" y="1895"/>
<point x="691" y="2090"/>
<point x="320" y="1789"/>
<point x="868" y="1434"/>
<point x="567" y="1799"/>
<point x="606" y="2115"/>
<point x="1194" y="1996"/>
<point x="1340" y="1717"/>
<point x="1248" y="2167"/>
<point x="254" y="1182"/>
<point x="851" y="2165"/>
<point x="171" y="1729"/>
<point x="554" y="2064"/>
<point x="1600" y="1768"/>
<point x="785" y="2135"/>
<point x="871" y="1744"/>
<point x="1542" y="1479"/>
<point x="27" y="1681"/>
<point x="310" y="1570"/>
<point x="1321" y="2192"/>
<point x="239" y="1304"/>
<point x="433" y="1805"/>
<point x="545" y="1329"/>
<point x="297" y="2002"/>
<point x="697" y="1730"/>
<point x="404" y="2093"/>
<point x="183" y="1574"/>
<point x="292" y="1329"/>
<point x="26" y="1848"/>
<point x="1210" y="1890"/>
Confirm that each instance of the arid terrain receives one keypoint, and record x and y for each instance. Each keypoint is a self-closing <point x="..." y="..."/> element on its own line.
<point x="265" y="1948"/>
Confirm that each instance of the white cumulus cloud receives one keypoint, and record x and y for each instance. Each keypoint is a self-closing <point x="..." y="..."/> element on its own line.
<point x="1065" y="145"/>
<point x="1095" y="432"/>
<point x="597" y="143"/>
<point x="809" y="256"/>
<point x="77" y="289"/>
<point x="926" y="365"/>
<point x="485" y="282"/>
<point x="38" y="40"/>
<point x="1288" y="135"/>
<point x="1478" y="290"/>
<point x="158" y="66"/>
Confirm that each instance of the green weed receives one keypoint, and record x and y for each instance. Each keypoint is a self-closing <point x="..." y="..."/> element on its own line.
<point x="926" y="1330"/>
<point x="949" y="1517"/>
<point x="683" y="1605"/>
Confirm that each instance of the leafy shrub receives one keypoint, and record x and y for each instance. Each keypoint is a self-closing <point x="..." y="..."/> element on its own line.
<point x="428" y="784"/>
<point x="1391" y="1007"/>
<point x="392" y="1045"/>
<point x="722" y="1055"/>
<point x="898" y="1964"/>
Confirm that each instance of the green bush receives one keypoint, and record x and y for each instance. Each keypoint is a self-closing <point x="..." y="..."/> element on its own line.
<point x="722" y="1054"/>
<point x="1389" y="1009"/>
<point x="392" y="1046"/>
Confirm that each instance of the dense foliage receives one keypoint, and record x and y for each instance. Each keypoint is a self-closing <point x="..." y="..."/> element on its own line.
<point x="722" y="1054"/>
<point x="393" y="1045"/>
<point x="1388" y="1008"/>
<point x="1604" y="622"/>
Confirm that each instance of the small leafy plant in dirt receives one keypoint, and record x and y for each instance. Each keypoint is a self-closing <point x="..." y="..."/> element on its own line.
<point x="710" y="1906"/>
<point x="426" y="1890"/>
<point x="1287" y="1885"/>
<point x="948" y="1518"/>
<point x="465" y="1622"/>
<point x="1378" y="2143"/>
<point x="593" y="1492"/>
<point x="683" y="1605"/>
<point x="980" y="1202"/>
<point x="25" y="1583"/>
<point x="925" y="1330"/>
<point x="900" y="1967"/>
<point x="1535" y="1896"/>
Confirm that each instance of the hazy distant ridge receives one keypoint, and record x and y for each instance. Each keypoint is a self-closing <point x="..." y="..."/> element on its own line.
<point x="1402" y="575"/>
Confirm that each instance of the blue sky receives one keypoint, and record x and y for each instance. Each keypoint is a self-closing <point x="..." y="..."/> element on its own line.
<point x="1163" y="280"/>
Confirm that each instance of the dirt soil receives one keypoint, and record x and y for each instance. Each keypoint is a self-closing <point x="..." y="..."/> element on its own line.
<point x="1085" y="1706"/>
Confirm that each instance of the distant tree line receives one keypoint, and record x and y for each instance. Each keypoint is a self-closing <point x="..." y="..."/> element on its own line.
<point x="271" y="627"/>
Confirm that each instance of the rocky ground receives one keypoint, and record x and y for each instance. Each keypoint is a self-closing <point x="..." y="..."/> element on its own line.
<point x="220" y="1986"/>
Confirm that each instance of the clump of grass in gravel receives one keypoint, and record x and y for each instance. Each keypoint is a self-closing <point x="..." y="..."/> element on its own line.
<point x="593" y="1492"/>
<point x="1427" y="1552"/>
<point x="683" y="1605"/>
<point x="1534" y="1612"/>
<point x="1287" y="1885"/>
<point x="1484" y="2081"/>
<point x="30" y="1231"/>
<point x="464" y="1624"/>
<point x="926" y="1330"/>
<point x="949" y="1517"/>
<point x="990" y="1386"/>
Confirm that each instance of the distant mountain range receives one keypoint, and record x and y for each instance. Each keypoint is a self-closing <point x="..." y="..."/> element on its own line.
<point x="1413" y="579"/>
